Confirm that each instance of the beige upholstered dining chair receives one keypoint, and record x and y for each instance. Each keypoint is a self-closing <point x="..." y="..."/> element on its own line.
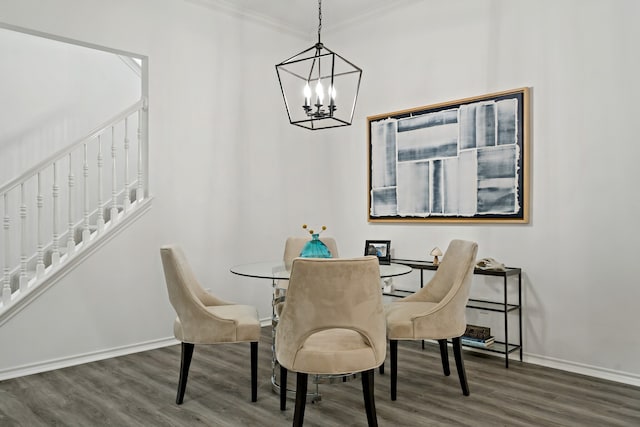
<point x="292" y="249"/>
<point x="205" y="319"/>
<point x="332" y="323"/>
<point x="436" y="311"/>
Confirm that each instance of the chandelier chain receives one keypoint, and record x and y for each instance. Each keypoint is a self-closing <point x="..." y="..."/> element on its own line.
<point x="319" y="18"/>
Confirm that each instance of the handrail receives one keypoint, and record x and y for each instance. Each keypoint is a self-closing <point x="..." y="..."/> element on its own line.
<point x="35" y="248"/>
<point x="65" y="150"/>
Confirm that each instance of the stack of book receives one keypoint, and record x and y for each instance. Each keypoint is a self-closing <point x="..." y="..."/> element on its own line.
<point x="477" y="336"/>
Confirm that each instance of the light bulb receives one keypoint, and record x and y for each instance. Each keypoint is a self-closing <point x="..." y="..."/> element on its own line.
<point x="307" y="94"/>
<point x="319" y="92"/>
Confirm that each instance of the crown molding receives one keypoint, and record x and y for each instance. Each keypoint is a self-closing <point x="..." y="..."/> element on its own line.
<point x="377" y="9"/>
<point x="228" y="7"/>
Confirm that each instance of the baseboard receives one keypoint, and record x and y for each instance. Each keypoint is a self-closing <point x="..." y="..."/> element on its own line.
<point x="549" y="362"/>
<point x="580" y="368"/>
<point x="565" y="365"/>
<point x="80" y="359"/>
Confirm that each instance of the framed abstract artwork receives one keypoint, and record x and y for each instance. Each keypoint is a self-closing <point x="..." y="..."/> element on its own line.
<point x="458" y="161"/>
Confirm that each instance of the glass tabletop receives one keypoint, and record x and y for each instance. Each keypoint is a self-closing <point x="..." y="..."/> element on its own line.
<point x="276" y="270"/>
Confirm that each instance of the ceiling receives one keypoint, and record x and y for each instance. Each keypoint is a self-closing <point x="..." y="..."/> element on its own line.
<point x="300" y="17"/>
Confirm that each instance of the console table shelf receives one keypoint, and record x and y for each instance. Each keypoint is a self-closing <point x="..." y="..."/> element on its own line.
<point x="491" y="305"/>
<point x="505" y="347"/>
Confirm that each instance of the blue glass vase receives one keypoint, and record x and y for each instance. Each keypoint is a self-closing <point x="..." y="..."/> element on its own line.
<point x="314" y="248"/>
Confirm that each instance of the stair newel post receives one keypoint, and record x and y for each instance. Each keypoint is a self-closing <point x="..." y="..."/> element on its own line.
<point x="6" y="284"/>
<point x="23" y="281"/>
<point x="86" y="233"/>
<point x="114" y="181"/>
<point x="55" y="245"/>
<point x="71" y="243"/>
<point x="100" y="220"/>
<point x="127" y="198"/>
<point x="40" y="205"/>
<point x="139" y="188"/>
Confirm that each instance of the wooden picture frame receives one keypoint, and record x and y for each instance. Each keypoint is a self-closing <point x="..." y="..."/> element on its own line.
<point x="379" y="248"/>
<point x="464" y="161"/>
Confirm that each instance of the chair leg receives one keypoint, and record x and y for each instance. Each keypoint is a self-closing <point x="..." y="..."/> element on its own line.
<point x="301" y="399"/>
<point x="393" y="350"/>
<point x="381" y="368"/>
<point x="283" y="388"/>
<point x="185" y="362"/>
<point x="457" y="352"/>
<point x="254" y="371"/>
<point x="369" y="400"/>
<point x="444" y="355"/>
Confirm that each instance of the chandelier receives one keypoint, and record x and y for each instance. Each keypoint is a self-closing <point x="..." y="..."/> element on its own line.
<point x="319" y="87"/>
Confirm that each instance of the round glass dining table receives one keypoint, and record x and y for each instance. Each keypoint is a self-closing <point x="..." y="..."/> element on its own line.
<point x="275" y="271"/>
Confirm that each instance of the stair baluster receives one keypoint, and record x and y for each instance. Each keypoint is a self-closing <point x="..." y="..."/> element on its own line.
<point x="114" y="179"/>
<point x="127" y="198"/>
<point x="55" y="245"/>
<point x="40" y="205"/>
<point x="23" y="281"/>
<point x="86" y="233"/>
<point x="100" y="220"/>
<point x="6" y="286"/>
<point x="139" y="188"/>
<point x="71" y="243"/>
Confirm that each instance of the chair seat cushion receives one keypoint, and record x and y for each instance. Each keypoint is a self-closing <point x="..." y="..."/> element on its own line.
<point x="400" y="319"/>
<point x="335" y="351"/>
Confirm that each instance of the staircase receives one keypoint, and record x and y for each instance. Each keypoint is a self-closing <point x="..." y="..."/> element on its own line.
<point x="61" y="210"/>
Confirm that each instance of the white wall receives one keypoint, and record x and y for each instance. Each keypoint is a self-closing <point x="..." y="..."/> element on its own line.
<point x="226" y="169"/>
<point x="63" y="92"/>
<point x="232" y="179"/>
<point x="578" y="252"/>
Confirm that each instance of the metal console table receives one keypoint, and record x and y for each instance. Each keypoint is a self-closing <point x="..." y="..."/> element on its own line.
<point x="504" y="347"/>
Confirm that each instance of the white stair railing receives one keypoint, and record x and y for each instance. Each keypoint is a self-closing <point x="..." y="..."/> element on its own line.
<point x="34" y="247"/>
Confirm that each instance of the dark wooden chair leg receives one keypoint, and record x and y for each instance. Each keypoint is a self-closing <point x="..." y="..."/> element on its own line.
<point x="381" y="369"/>
<point x="444" y="355"/>
<point x="457" y="353"/>
<point x="283" y="388"/>
<point x="185" y="362"/>
<point x="369" y="399"/>
<point x="254" y="371"/>
<point x="393" y="349"/>
<point x="301" y="399"/>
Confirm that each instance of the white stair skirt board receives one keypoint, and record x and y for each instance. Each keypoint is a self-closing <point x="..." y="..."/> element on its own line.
<point x="79" y="255"/>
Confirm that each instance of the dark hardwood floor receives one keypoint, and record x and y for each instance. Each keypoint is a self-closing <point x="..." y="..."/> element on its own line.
<point x="140" y="390"/>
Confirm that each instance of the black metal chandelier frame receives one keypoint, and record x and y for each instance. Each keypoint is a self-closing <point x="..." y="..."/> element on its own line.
<point x="317" y="114"/>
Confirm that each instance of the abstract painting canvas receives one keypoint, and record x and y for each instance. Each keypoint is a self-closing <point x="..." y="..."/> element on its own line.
<point x="459" y="161"/>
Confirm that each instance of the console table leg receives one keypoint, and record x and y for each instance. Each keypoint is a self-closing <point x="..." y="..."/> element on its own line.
<point x="506" y="326"/>
<point x="520" y="310"/>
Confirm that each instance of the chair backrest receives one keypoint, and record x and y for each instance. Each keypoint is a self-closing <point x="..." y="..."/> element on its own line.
<point x="453" y="277"/>
<point x="186" y="295"/>
<point x="450" y="288"/>
<point x="293" y="246"/>
<point x="330" y="293"/>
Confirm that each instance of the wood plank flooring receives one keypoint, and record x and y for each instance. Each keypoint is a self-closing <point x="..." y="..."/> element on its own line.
<point x="140" y="390"/>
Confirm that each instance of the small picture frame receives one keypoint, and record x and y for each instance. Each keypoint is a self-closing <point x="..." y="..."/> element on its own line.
<point x="379" y="248"/>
